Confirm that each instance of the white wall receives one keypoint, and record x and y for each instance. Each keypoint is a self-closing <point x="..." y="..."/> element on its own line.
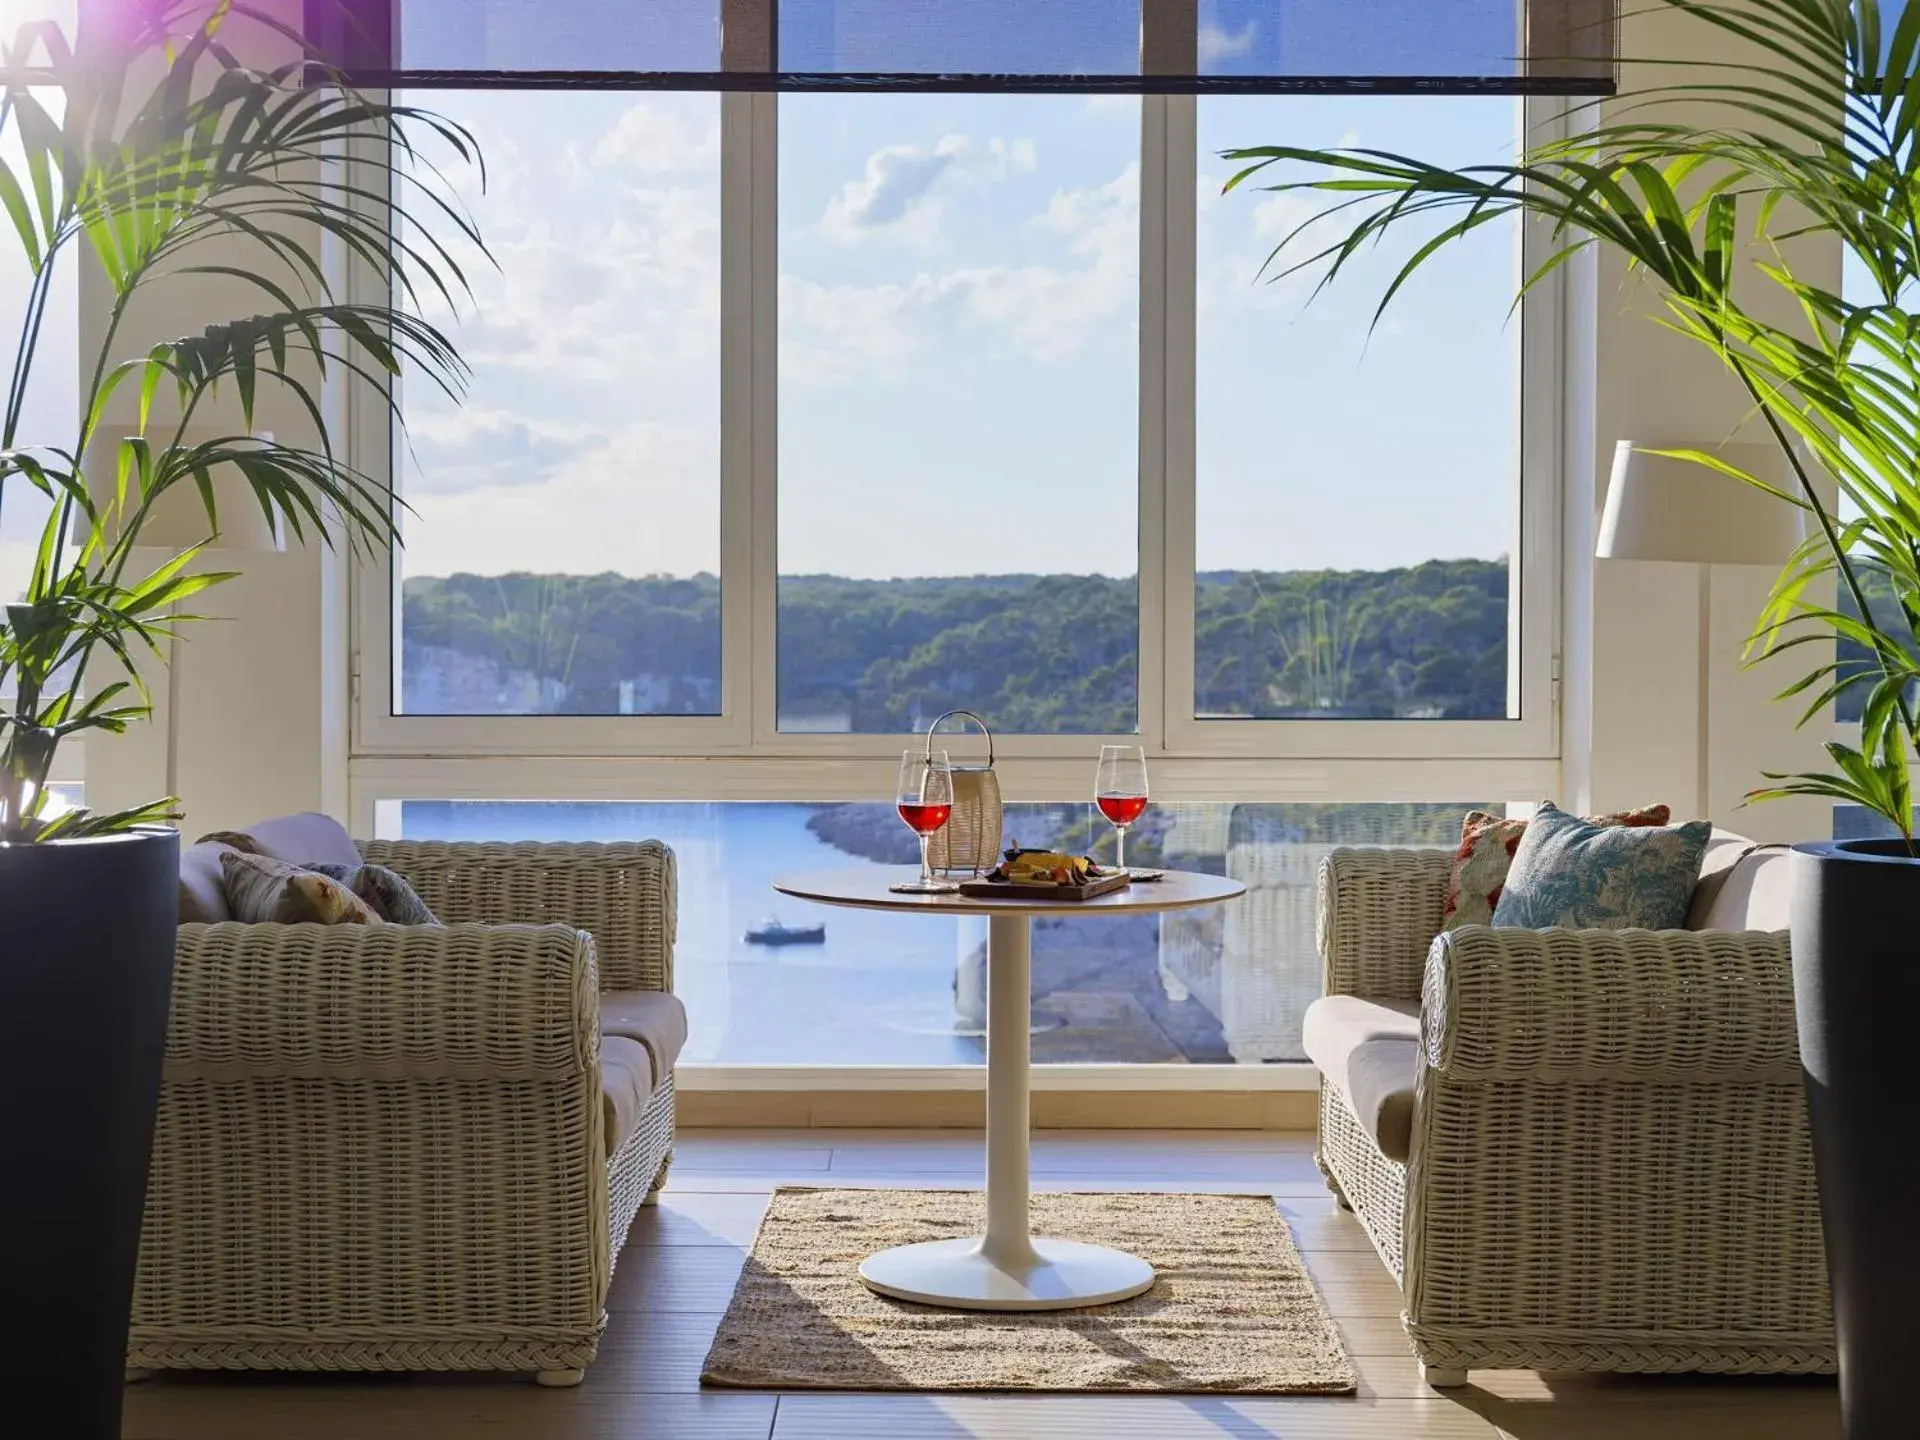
<point x="262" y="683"/>
<point x="1631" y="730"/>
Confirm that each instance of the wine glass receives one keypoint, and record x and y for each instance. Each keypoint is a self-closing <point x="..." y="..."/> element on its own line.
<point x="1120" y="790"/>
<point x="924" y="798"/>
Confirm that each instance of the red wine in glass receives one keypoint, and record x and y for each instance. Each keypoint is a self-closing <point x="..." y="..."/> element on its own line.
<point x="925" y="819"/>
<point x="924" y="798"/>
<point x="1120" y="790"/>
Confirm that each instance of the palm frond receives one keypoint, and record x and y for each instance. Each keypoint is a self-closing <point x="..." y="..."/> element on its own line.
<point x="158" y="158"/>
<point x="1813" y="132"/>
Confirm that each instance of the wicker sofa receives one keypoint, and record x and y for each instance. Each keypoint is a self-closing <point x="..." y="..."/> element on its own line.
<point x="415" y="1148"/>
<point x="1577" y="1150"/>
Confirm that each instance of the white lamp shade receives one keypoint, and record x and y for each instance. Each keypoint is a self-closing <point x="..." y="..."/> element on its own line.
<point x="178" y="518"/>
<point x="1660" y="508"/>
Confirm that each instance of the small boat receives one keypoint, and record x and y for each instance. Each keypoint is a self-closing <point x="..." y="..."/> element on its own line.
<point x="772" y="932"/>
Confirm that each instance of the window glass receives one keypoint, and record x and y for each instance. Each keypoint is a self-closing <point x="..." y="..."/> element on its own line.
<point x="1857" y="286"/>
<point x="562" y="538"/>
<point x="1223" y="985"/>
<point x="946" y="37"/>
<point x="1357" y="493"/>
<point x="50" y="406"/>
<point x="543" y="35"/>
<point x="958" y="410"/>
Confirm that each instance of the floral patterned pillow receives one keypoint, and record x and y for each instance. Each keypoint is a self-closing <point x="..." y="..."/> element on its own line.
<point x="261" y="890"/>
<point x="1573" y="874"/>
<point x="1487" y="846"/>
<point x="386" y="892"/>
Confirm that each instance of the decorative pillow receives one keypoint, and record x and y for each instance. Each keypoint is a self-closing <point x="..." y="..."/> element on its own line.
<point x="233" y="840"/>
<point x="1573" y="873"/>
<point x="263" y="890"/>
<point x="1487" y="843"/>
<point x="203" y="892"/>
<point x="385" y="891"/>
<point x="309" y="838"/>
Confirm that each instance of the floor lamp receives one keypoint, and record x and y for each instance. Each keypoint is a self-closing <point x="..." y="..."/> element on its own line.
<point x="1659" y="508"/>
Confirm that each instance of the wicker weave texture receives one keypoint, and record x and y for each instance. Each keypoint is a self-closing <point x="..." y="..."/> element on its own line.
<point x="1618" y="1005"/>
<point x="1610" y="1167"/>
<point x="623" y="893"/>
<point x="383" y="1148"/>
<point x="1379" y="911"/>
<point x="505" y="1002"/>
<point x="1375" y="1186"/>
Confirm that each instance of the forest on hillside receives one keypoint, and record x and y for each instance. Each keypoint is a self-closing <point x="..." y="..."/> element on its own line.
<point x="1033" y="653"/>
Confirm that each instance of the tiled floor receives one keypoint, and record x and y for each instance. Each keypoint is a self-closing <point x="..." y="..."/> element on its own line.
<point x="679" y="1266"/>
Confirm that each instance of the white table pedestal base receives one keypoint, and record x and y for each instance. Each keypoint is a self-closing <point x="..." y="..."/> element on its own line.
<point x="1060" y="1275"/>
<point x="1007" y="1269"/>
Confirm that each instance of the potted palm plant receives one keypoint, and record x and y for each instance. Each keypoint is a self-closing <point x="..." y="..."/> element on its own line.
<point x="1813" y="135"/>
<point x="146" y="149"/>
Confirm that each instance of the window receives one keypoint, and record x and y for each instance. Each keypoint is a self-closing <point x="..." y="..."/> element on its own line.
<point x="562" y="535"/>
<point x="958" y="461"/>
<point x="50" y="408"/>
<point x="953" y="474"/>
<point x="1357" y="484"/>
<point x="984" y="406"/>
<point x="1221" y="986"/>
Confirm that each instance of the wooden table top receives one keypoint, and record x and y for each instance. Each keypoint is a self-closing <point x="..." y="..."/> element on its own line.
<point x="866" y="889"/>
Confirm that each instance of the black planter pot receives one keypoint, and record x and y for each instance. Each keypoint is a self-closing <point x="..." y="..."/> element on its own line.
<point x="86" y="970"/>
<point x="1856" y="984"/>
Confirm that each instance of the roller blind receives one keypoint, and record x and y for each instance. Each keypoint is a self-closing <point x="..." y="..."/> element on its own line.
<point x="1444" y="46"/>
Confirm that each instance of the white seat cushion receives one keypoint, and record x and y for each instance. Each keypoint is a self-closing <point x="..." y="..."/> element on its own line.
<point x="656" y="1019"/>
<point x="626" y="1084"/>
<point x="1743" y="886"/>
<point x="1369" y="1050"/>
<point x="309" y="838"/>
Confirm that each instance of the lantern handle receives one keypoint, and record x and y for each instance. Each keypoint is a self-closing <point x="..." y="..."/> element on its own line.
<point x="966" y="714"/>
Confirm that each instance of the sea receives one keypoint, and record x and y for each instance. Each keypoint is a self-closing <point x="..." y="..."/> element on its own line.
<point x="880" y="991"/>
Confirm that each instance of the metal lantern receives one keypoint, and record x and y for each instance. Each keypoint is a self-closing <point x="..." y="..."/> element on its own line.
<point x="970" y="840"/>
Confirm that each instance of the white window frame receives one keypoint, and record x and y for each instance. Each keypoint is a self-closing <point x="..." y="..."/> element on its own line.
<point x="1534" y="475"/>
<point x="738" y="753"/>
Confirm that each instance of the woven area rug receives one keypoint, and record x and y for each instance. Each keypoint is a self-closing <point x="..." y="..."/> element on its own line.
<point x="1232" y="1308"/>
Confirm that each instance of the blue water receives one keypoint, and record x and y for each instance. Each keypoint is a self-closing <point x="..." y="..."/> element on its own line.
<point x="879" y="991"/>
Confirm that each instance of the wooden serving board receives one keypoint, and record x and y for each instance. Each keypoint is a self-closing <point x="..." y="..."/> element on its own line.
<point x="1007" y="890"/>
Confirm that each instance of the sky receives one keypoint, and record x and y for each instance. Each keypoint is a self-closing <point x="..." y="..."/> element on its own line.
<point x="957" y="347"/>
<point x="958" y="343"/>
<point x="50" y="412"/>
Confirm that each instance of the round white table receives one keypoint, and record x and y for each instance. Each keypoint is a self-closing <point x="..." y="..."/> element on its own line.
<point x="1008" y="1268"/>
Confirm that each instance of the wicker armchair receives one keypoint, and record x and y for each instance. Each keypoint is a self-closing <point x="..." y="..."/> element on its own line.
<point x="386" y="1148"/>
<point x="1608" y="1165"/>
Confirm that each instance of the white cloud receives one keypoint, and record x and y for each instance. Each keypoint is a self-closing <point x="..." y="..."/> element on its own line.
<point x="472" y="449"/>
<point x="895" y="189"/>
<point x="833" y="332"/>
<point x="1277" y="216"/>
<point x="590" y="440"/>
<point x="894" y="186"/>
<point x="1056" y="309"/>
<point x="653" y="139"/>
<point x="1239" y="272"/>
<point x="828" y="332"/>
<point x="1217" y="44"/>
<point x="607" y="287"/>
<point x="641" y="499"/>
